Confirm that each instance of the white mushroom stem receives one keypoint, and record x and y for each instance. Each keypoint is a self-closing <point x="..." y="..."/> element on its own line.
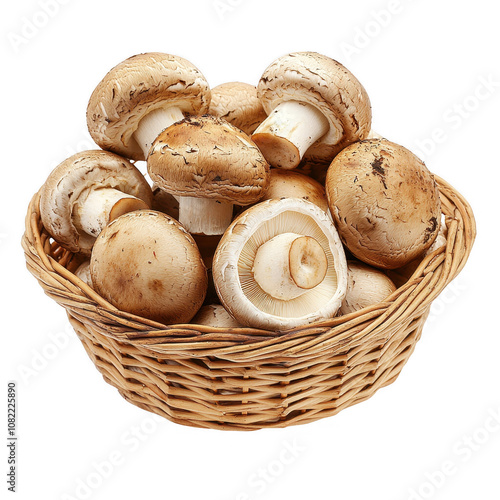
<point x="153" y="124"/>
<point x="288" y="265"/>
<point x="288" y="132"/>
<point x="96" y="208"/>
<point x="204" y="215"/>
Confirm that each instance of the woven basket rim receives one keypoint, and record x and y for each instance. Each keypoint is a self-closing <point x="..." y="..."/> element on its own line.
<point x="49" y="263"/>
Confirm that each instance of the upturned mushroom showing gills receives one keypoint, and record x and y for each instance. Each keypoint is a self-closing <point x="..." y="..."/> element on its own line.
<point x="314" y="104"/>
<point x="147" y="264"/>
<point x="87" y="191"/>
<point x="365" y="286"/>
<point x="238" y="104"/>
<point x="142" y="96"/>
<point x="384" y="201"/>
<point x="209" y="165"/>
<point x="279" y="265"/>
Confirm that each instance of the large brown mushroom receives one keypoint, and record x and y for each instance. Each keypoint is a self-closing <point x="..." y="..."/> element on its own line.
<point x="209" y="165"/>
<point x="142" y="96"/>
<point x="384" y="201"/>
<point x="314" y="104"/>
<point x="147" y="264"/>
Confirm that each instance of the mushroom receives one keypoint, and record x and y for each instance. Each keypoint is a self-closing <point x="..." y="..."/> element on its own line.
<point x="374" y="135"/>
<point x="314" y="170"/>
<point x="384" y="201"/>
<point x="280" y="264"/>
<point x="142" y="96"/>
<point x="313" y="104"/>
<point x="402" y="274"/>
<point x="238" y="104"/>
<point x="293" y="184"/>
<point x="216" y="316"/>
<point x="207" y="246"/>
<point x="165" y="202"/>
<point x="147" y="264"/>
<point x="209" y="165"/>
<point x="87" y="191"/>
<point x="441" y="238"/>
<point x="83" y="272"/>
<point x="365" y="286"/>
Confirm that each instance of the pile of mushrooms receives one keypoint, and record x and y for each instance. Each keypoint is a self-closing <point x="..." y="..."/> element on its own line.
<point x="255" y="195"/>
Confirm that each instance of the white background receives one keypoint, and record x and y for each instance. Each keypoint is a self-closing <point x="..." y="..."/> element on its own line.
<point x="424" y="64"/>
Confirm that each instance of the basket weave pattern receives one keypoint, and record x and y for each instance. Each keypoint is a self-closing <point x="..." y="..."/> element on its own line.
<point x="244" y="378"/>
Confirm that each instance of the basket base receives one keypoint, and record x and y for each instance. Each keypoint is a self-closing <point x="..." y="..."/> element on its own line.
<point x="167" y="387"/>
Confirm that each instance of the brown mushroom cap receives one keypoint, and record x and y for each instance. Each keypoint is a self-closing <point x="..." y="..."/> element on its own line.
<point x="216" y="316"/>
<point x="83" y="272"/>
<point x="62" y="189"/>
<point x="327" y="85"/>
<point x="293" y="184"/>
<point x="402" y="274"/>
<point x="134" y="88"/>
<point x="238" y="104"/>
<point x="146" y="263"/>
<point x="384" y="201"/>
<point x="206" y="157"/>
<point x="165" y="202"/>
<point x="365" y="286"/>
<point x="316" y="171"/>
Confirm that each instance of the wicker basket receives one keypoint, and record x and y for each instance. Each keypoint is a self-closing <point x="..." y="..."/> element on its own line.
<point x="243" y="378"/>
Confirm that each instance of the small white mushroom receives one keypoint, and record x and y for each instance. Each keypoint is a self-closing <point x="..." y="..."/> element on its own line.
<point x="280" y="264"/>
<point x="142" y="96"/>
<point x="365" y="286"/>
<point x="314" y="105"/>
<point x="87" y="191"/>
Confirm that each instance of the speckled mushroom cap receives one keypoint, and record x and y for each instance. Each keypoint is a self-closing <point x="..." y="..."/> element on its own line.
<point x="83" y="272"/>
<point x="365" y="286"/>
<point x="137" y="86"/>
<point x="165" y="202"/>
<point x="146" y="263"/>
<point x="235" y="256"/>
<point x="293" y="184"/>
<point x="327" y="85"/>
<point x="71" y="178"/>
<point x="238" y="104"/>
<point x="206" y="157"/>
<point x="216" y="316"/>
<point x="384" y="201"/>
